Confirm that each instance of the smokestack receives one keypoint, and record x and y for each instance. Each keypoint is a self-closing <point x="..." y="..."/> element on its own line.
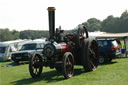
<point x="51" y="14"/>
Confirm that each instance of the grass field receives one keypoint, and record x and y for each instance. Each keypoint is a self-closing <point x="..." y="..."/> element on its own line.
<point x="115" y="73"/>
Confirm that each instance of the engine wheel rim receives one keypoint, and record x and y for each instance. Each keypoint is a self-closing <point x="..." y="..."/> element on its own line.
<point x="68" y="66"/>
<point x="34" y="67"/>
<point x="93" y="56"/>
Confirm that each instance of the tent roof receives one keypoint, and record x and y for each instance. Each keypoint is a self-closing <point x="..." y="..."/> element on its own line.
<point x="113" y="35"/>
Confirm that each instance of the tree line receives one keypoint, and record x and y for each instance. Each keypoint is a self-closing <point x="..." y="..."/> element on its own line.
<point x="6" y="34"/>
<point x="111" y="24"/>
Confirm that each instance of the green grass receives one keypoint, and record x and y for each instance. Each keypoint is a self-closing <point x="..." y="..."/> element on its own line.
<point x="115" y="73"/>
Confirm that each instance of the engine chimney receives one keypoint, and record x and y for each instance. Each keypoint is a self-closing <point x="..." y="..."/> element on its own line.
<point x="51" y="14"/>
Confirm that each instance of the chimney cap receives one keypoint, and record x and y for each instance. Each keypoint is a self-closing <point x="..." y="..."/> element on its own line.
<point x="51" y="8"/>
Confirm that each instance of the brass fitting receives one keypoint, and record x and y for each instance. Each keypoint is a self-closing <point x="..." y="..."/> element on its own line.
<point x="51" y="9"/>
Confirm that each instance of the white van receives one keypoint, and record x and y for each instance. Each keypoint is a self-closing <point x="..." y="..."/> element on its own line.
<point x="6" y="51"/>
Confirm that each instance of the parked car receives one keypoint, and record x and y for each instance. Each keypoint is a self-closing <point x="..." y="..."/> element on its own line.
<point x="27" y="50"/>
<point x="108" y="49"/>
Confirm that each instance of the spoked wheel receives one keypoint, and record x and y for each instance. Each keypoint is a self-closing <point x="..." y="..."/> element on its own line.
<point x="35" y="67"/>
<point x="90" y="58"/>
<point x="68" y="65"/>
<point x="82" y="33"/>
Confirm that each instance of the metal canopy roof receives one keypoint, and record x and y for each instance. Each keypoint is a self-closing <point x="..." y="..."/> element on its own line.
<point x="113" y="35"/>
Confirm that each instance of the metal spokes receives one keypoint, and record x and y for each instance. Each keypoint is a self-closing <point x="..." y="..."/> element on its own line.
<point x="68" y="65"/>
<point x="93" y="56"/>
<point x="35" y="68"/>
<point x="36" y="65"/>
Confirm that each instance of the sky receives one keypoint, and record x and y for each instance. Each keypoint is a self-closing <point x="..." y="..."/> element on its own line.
<point x="33" y="15"/>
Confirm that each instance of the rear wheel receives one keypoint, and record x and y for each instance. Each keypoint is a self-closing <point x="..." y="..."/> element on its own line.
<point x="90" y="57"/>
<point x="35" y="67"/>
<point x="68" y="65"/>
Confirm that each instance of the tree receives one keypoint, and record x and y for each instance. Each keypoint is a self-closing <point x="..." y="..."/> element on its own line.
<point x="124" y="22"/>
<point x="93" y="24"/>
<point x="6" y="34"/>
<point x="116" y="24"/>
<point x="110" y="24"/>
<point x="15" y="34"/>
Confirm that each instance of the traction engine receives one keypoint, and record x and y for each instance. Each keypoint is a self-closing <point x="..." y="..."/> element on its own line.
<point x="62" y="52"/>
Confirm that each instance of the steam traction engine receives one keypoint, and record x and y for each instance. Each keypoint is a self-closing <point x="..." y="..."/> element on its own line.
<point x="63" y="51"/>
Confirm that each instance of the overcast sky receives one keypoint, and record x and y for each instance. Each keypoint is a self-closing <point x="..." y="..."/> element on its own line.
<point x="33" y="14"/>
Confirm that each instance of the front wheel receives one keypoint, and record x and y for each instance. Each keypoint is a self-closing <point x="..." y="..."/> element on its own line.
<point x="35" y="67"/>
<point x="68" y="65"/>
